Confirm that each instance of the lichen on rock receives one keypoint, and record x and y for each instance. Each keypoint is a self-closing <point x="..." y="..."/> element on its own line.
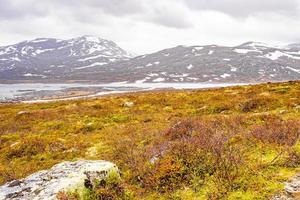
<point x="64" y="176"/>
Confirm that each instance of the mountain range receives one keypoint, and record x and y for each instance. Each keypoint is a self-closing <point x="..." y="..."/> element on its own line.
<point x="93" y="59"/>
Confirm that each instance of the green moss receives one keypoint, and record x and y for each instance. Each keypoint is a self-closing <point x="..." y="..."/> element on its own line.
<point x="113" y="177"/>
<point x="119" y="118"/>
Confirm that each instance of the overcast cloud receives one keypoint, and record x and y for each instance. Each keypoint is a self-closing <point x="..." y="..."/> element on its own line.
<point x="144" y="26"/>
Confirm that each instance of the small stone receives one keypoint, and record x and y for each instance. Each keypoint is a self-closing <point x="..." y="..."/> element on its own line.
<point x="282" y="111"/>
<point x="23" y="112"/>
<point x="128" y="104"/>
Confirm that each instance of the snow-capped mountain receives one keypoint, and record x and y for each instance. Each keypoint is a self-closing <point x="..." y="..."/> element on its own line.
<point x="249" y="62"/>
<point x="93" y="59"/>
<point x="48" y="58"/>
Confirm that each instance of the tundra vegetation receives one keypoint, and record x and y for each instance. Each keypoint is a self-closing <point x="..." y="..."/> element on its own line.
<point x="238" y="142"/>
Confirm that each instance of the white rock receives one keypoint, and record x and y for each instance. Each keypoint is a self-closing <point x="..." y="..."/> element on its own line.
<point x="128" y="104"/>
<point x="46" y="184"/>
<point x="23" y="112"/>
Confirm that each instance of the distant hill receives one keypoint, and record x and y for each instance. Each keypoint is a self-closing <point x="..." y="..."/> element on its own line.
<point x="91" y="58"/>
<point x="48" y="58"/>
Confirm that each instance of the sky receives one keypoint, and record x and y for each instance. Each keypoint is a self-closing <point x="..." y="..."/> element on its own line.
<point x="145" y="26"/>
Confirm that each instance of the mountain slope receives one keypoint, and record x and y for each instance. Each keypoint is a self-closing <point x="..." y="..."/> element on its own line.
<point x="249" y="62"/>
<point x="93" y="59"/>
<point x="46" y="58"/>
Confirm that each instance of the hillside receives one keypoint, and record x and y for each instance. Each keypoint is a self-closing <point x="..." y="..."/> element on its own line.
<point x="93" y="59"/>
<point x="248" y="62"/>
<point x="237" y="142"/>
<point x="54" y="59"/>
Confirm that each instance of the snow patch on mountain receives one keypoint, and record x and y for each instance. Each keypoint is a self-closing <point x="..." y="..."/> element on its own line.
<point x="92" y="65"/>
<point x="294" y="70"/>
<point x="158" y="80"/>
<point x="245" y="51"/>
<point x="233" y="69"/>
<point x="277" y="54"/>
<point x="190" y="66"/>
<point x="225" y="75"/>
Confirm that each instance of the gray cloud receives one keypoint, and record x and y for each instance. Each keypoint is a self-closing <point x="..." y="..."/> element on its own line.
<point x="141" y="10"/>
<point x="244" y="8"/>
<point x="145" y="26"/>
<point x="169" y="21"/>
<point x="110" y="7"/>
<point x="93" y="11"/>
<point x="12" y="9"/>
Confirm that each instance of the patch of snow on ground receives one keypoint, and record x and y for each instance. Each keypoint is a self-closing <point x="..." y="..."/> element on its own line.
<point x="293" y="69"/>
<point x="39" y="40"/>
<point x="149" y="65"/>
<point x="198" y="48"/>
<point x="227" y="59"/>
<point x="98" y="48"/>
<point x="277" y="54"/>
<point x="261" y="44"/>
<point x="261" y="72"/>
<point x="92" y="39"/>
<point x="192" y="78"/>
<point x="156" y="63"/>
<point x="34" y="75"/>
<point x="141" y="81"/>
<point x="190" y="66"/>
<point x="90" y="58"/>
<point x="225" y="75"/>
<point x="210" y="52"/>
<point x="179" y="75"/>
<point x="245" y="51"/>
<point x="274" y="55"/>
<point x="294" y="52"/>
<point x="141" y="57"/>
<point x="158" y="80"/>
<point x="16" y="59"/>
<point x="92" y="65"/>
<point x="152" y="74"/>
<point x="233" y="69"/>
<point x="39" y="51"/>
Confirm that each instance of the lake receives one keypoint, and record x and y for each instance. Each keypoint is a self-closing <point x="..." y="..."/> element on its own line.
<point x="44" y="91"/>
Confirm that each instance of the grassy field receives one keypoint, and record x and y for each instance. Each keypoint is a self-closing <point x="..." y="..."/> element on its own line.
<point x="233" y="143"/>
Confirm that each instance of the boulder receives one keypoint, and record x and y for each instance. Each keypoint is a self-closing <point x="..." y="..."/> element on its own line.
<point x="61" y="177"/>
<point x="292" y="190"/>
<point x="293" y="187"/>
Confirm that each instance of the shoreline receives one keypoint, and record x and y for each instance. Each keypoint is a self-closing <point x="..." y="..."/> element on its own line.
<point x="90" y="91"/>
<point x="120" y="92"/>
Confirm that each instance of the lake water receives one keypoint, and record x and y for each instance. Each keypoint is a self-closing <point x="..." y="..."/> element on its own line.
<point x="14" y="91"/>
